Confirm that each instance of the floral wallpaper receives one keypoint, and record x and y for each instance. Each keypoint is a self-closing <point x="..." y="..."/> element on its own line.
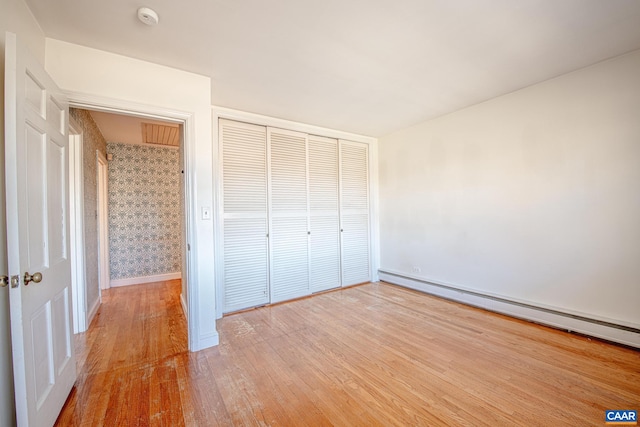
<point x="144" y="211"/>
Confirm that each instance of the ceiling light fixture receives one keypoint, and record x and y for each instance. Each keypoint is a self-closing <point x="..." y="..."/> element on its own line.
<point x="147" y="16"/>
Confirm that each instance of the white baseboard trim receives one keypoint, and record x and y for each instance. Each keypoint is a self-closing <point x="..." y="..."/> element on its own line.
<point x="183" y="302"/>
<point x="206" y="341"/>
<point x="93" y="311"/>
<point x="145" y="279"/>
<point x="570" y="322"/>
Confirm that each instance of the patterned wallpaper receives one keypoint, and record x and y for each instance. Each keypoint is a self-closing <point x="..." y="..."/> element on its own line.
<point x="145" y="213"/>
<point x="92" y="141"/>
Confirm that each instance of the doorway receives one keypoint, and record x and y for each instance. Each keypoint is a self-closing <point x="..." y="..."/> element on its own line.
<point x="123" y="251"/>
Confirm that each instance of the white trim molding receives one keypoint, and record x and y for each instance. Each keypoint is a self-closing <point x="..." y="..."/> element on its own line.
<point x="208" y="340"/>
<point x="93" y="311"/>
<point x="76" y="210"/>
<point x="145" y="279"/>
<point x="117" y="106"/>
<point x="183" y="303"/>
<point x="259" y="119"/>
<point x="606" y="329"/>
<point x="197" y="341"/>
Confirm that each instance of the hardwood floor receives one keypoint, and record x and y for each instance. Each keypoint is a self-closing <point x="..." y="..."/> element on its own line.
<point x="370" y="355"/>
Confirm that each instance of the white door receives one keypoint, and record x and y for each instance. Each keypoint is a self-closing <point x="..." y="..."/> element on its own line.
<point x="324" y="215"/>
<point x="354" y="212"/>
<point x="36" y="163"/>
<point x="289" y="236"/>
<point x="244" y="217"/>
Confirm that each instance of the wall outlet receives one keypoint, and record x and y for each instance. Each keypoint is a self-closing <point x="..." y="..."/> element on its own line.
<point x="416" y="270"/>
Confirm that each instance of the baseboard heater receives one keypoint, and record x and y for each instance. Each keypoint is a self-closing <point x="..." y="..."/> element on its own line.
<point x="609" y="331"/>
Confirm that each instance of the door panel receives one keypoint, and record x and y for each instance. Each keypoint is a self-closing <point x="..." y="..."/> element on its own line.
<point x="43" y="352"/>
<point x="36" y="164"/>
<point x="354" y="212"/>
<point x="35" y="140"/>
<point x="245" y="263"/>
<point x="62" y="328"/>
<point x="245" y="226"/>
<point x="289" y="237"/>
<point x="325" y="253"/>
<point x="324" y="215"/>
<point x="290" y="266"/>
<point x="57" y="202"/>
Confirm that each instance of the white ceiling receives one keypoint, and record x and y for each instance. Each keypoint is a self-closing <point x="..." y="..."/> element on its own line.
<point x="365" y="66"/>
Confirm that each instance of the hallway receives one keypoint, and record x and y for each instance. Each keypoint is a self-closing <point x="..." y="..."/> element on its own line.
<point x="128" y="359"/>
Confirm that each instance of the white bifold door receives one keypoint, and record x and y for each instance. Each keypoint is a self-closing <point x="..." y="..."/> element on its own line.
<point x="295" y="214"/>
<point x="354" y="212"/>
<point x="245" y="224"/>
<point x="324" y="213"/>
<point x="289" y="237"/>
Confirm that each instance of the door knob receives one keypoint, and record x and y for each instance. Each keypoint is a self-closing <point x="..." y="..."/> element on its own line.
<point x="35" y="277"/>
<point x="4" y="281"/>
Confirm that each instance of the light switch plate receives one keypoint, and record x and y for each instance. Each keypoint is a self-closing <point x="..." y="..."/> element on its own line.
<point x="206" y="212"/>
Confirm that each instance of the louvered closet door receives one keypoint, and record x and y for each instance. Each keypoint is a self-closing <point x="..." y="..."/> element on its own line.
<point x="245" y="224"/>
<point x="289" y="239"/>
<point x="324" y="215"/>
<point x="354" y="212"/>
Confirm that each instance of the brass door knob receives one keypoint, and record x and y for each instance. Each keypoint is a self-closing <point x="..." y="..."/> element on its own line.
<point x="4" y="281"/>
<point x="35" y="277"/>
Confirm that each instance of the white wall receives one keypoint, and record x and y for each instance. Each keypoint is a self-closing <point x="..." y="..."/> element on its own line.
<point x="533" y="196"/>
<point x="94" y="74"/>
<point x="17" y="18"/>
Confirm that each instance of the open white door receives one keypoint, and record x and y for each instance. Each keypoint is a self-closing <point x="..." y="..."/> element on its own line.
<point x="37" y="167"/>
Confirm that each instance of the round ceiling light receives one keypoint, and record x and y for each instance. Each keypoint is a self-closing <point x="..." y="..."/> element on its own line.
<point x="147" y="16"/>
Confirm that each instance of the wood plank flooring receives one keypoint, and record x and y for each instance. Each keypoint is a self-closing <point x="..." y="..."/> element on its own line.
<point x="370" y="355"/>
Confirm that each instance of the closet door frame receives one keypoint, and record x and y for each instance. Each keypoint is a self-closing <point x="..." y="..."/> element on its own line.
<point x="257" y="119"/>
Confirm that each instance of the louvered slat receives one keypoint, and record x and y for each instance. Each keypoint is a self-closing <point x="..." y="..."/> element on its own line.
<point x="355" y="249"/>
<point x="289" y="266"/>
<point x="245" y="226"/>
<point x="244" y="168"/>
<point x="324" y="250"/>
<point x="325" y="253"/>
<point x="288" y="172"/>
<point x="354" y="207"/>
<point x="289" y="215"/>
